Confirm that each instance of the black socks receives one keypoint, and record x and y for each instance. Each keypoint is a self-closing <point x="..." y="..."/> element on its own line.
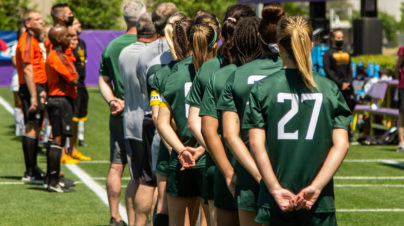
<point x="53" y="164"/>
<point x="29" y="147"/>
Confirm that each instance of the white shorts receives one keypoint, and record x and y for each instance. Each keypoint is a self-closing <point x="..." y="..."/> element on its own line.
<point x="14" y="86"/>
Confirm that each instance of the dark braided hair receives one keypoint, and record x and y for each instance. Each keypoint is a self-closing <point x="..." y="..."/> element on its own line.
<point x="180" y="37"/>
<point x="232" y="16"/>
<point x="246" y="41"/>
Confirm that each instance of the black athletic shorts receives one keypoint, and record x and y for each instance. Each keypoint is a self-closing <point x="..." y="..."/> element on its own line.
<point x="80" y="104"/>
<point x="25" y="96"/>
<point x="60" y="111"/>
<point x="141" y="159"/>
<point x="401" y="100"/>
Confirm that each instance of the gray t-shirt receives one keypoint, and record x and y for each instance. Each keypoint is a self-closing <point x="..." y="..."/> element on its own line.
<point x="134" y="97"/>
<point x="148" y="54"/>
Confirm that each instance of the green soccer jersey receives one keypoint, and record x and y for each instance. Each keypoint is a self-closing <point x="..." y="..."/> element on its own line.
<point x="194" y="98"/>
<point x="109" y="61"/>
<point x="211" y="95"/>
<point x="299" y="123"/>
<point x="176" y="88"/>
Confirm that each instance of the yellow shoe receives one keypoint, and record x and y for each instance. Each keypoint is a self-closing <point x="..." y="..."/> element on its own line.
<point x="78" y="155"/>
<point x="67" y="159"/>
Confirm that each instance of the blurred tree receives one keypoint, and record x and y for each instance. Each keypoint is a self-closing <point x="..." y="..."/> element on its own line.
<point x="296" y="9"/>
<point x="189" y="7"/>
<point x="401" y="23"/>
<point x="96" y="14"/>
<point x="10" y="13"/>
<point x="390" y="27"/>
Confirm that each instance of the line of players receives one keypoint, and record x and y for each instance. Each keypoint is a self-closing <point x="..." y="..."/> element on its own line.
<point x="51" y="84"/>
<point x="245" y="130"/>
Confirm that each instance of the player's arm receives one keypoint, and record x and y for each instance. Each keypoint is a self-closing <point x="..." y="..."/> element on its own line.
<point x="215" y="146"/>
<point x="155" y="106"/>
<point x="397" y="66"/>
<point x="231" y="130"/>
<point x="195" y="124"/>
<point x="115" y="104"/>
<point x="284" y="198"/>
<point x="308" y="196"/>
<point x="29" y="81"/>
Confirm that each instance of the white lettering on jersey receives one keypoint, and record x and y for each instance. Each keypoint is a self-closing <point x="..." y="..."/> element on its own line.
<point x="294" y="98"/>
<point x="254" y="78"/>
<point x="187" y="88"/>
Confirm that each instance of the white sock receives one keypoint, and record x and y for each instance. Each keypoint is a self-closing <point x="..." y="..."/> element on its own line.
<point x="80" y="132"/>
<point x="19" y="122"/>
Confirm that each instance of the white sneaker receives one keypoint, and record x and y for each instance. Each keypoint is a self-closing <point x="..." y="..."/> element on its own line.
<point x="400" y="148"/>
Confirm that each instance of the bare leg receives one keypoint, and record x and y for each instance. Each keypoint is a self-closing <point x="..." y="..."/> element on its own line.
<point x="130" y="200"/>
<point x="212" y="213"/>
<point x="114" y="189"/>
<point x="400" y="125"/>
<point x="143" y="203"/>
<point x="247" y="218"/>
<point x="227" y="217"/>
<point x="73" y="139"/>
<point x="182" y="211"/>
<point x="162" y="195"/>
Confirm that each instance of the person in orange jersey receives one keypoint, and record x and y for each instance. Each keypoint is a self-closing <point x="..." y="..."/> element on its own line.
<point x="32" y="78"/>
<point x="62" y="82"/>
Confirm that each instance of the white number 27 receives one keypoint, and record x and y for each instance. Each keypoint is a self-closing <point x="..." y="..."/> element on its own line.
<point x="294" y="100"/>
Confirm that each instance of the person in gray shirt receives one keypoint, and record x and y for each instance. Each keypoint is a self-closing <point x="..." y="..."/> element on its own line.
<point x="139" y="161"/>
<point x="160" y="17"/>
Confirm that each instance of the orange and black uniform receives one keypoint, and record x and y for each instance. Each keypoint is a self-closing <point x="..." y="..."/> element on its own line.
<point x="61" y="72"/>
<point x="29" y="52"/>
<point x="81" y="101"/>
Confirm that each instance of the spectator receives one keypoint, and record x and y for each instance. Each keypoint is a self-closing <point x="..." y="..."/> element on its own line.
<point x="114" y="96"/>
<point x="399" y="73"/>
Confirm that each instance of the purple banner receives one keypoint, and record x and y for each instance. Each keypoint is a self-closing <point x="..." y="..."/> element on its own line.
<point x="96" y="41"/>
<point x="278" y="1"/>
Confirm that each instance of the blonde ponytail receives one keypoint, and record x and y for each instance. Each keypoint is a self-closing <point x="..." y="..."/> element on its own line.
<point x="295" y="35"/>
<point x="202" y="38"/>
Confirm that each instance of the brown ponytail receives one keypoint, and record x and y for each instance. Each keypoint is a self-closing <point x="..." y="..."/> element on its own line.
<point x="180" y="38"/>
<point x="295" y="35"/>
<point x="202" y="37"/>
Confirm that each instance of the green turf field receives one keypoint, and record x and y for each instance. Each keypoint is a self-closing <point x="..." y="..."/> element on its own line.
<point x="369" y="186"/>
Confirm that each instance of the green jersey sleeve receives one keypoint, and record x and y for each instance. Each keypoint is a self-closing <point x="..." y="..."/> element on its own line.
<point x="342" y="113"/>
<point x="194" y="96"/>
<point x="208" y="105"/>
<point x="103" y="65"/>
<point x="226" y="100"/>
<point x="253" y="114"/>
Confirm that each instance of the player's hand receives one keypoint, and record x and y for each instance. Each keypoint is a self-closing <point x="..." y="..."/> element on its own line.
<point x="231" y="183"/>
<point x="116" y="106"/>
<point x="34" y="104"/>
<point x="186" y="159"/>
<point x="345" y="86"/>
<point x="285" y="199"/>
<point x="307" y="197"/>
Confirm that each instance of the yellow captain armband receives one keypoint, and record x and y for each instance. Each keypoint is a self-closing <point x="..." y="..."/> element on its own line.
<point x="164" y="103"/>
<point x="155" y="98"/>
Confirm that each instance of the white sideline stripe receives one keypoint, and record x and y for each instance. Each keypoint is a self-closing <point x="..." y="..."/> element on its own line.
<point x="367" y="178"/>
<point x="7" y="182"/>
<point x="6" y="106"/>
<point x="369" y="185"/>
<point x="373" y="160"/>
<point x="392" y="162"/>
<point x="99" y="191"/>
<point x="84" y="177"/>
<point x="370" y="210"/>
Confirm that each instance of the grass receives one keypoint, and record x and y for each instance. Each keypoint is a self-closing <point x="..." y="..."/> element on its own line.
<point x="31" y="205"/>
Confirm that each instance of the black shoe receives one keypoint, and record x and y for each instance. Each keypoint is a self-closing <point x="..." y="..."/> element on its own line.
<point x="114" y="222"/>
<point x="82" y="143"/>
<point x="33" y="179"/>
<point x="65" y="182"/>
<point x="59" y="189"/>
<point x="39" y="171"/>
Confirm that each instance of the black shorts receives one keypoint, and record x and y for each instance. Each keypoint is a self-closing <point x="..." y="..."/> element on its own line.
<point x="140" y="156"/>
<point x="401" y="100"/>
<point x="25" y="96"/>
<point x="80" y="104"/>
<point x="60" y="110"/>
